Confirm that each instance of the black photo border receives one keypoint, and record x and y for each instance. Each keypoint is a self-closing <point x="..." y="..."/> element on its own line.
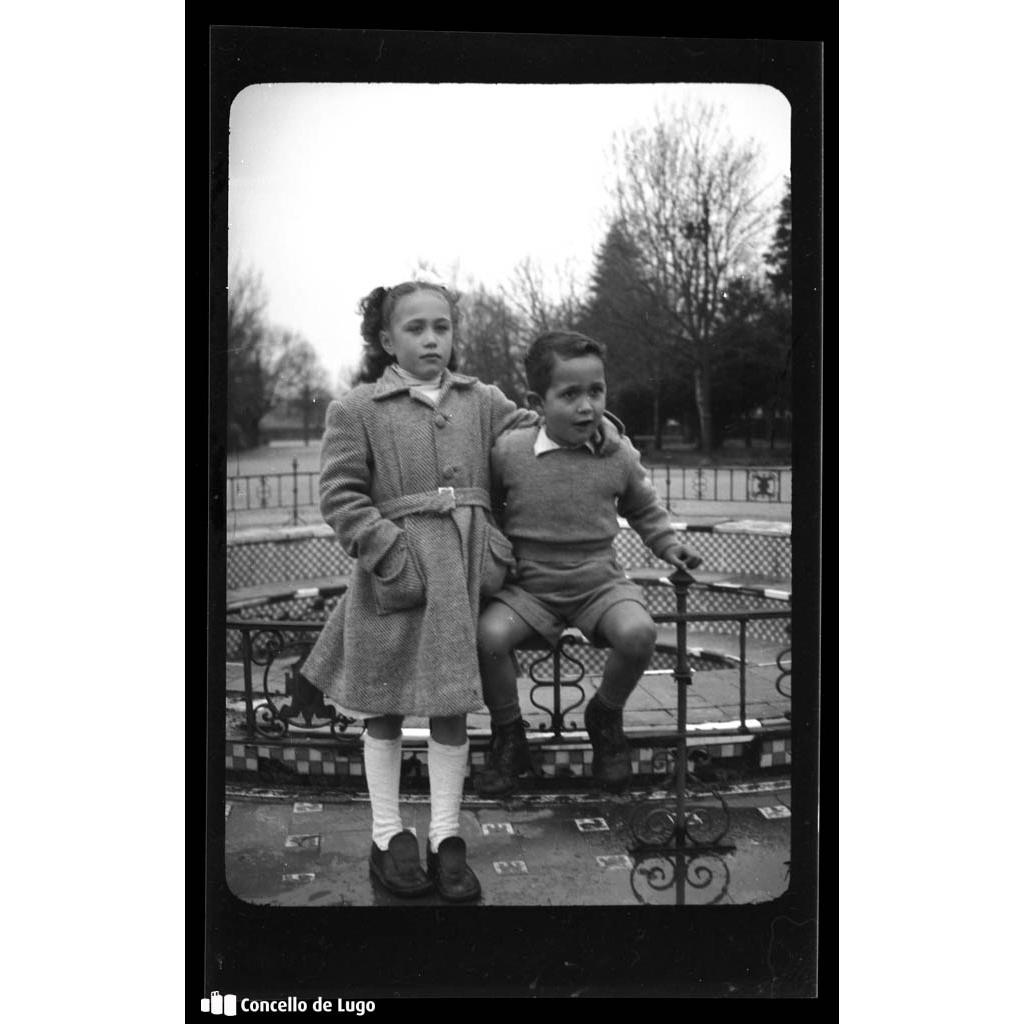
<point x="767" y="950"/>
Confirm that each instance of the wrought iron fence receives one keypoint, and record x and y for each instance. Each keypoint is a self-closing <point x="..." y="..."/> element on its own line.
<point x="769" y="485"/>
<point x="676" y="846"/>
<point x="261" y="491"/>
<point x="763" y="484"/>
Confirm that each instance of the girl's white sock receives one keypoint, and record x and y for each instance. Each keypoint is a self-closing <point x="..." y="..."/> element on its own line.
<point x="446" y="769"/>
<point x="383" y="766"/>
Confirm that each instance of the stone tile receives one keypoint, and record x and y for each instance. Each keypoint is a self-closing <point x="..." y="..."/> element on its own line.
<point x="649" y="718"/>
<point x="345" y="819"/>
<point x="254" y="874"/>
<point x="510" y="867"/>
<point x="303" y="841"/>
<point x="251" y="824"/>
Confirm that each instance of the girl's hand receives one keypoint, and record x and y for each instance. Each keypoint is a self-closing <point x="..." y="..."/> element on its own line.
<point x="610" y="435"/>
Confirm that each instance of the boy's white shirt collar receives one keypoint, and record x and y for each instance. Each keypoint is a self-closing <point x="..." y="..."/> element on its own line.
<point x="544" y="444"/>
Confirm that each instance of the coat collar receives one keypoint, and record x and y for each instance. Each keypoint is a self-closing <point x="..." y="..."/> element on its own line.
<point x="389" y="383"/>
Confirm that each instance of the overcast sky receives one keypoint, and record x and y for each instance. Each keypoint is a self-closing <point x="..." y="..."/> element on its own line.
<point x="337" y="188"/>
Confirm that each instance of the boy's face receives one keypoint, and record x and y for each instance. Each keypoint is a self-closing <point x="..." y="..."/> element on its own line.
<point x="573" y="405"/>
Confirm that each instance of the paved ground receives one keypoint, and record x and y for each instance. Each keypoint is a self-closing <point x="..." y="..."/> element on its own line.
<point x="284" y="850"/>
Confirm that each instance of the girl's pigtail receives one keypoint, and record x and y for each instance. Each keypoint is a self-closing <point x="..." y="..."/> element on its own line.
<point x="375" y="359"/>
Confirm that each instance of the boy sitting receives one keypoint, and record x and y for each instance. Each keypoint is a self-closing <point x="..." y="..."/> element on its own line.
<point x="559" y="505"/>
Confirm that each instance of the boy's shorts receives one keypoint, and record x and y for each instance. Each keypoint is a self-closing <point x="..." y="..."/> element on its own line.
<point x="552" y="595"/>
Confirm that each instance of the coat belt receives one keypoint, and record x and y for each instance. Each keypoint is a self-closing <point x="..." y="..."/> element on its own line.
<point x="441" y="502"/>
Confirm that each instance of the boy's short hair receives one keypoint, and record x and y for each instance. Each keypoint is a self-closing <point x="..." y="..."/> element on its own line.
<point x="540" y="359"/>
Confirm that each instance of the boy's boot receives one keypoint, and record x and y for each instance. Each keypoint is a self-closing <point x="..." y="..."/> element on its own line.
<point x="508" y="757"/>
<point x="611" y="768"/>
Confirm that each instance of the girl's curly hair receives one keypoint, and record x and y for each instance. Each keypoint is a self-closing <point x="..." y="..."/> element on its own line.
<point x="376" y="309"/>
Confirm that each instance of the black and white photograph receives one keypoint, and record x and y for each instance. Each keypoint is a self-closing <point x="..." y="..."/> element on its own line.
<point x="514" y="529"/>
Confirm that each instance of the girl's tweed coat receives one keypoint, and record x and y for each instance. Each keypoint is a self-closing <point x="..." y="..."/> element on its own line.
<point x="403" y="639"/>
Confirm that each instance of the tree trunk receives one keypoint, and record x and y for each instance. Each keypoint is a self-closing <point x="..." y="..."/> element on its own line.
<point x="657" y="418"/>
<point x="702" y="398"/>
<point x="251" y="431"/>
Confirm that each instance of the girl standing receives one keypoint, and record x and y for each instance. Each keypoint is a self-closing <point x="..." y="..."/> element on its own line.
<point x="404" y="484"/>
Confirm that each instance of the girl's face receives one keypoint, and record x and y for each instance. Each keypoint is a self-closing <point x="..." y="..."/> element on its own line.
<point x="419" y="335"/>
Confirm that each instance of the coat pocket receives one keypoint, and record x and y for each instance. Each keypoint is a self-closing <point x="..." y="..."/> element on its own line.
<point x="397" y="581"/>
<point x="498" y="560"/>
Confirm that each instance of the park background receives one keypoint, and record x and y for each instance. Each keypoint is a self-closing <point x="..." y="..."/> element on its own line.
<point x="654" y="218"/>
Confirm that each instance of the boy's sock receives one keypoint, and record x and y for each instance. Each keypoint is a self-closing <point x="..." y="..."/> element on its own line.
<point x="383" y="766"/>
<point x="611" y="696"/>
<point x="446" y="769"/>
<point x="506" y="714"/>
<point x="501" y="691"/>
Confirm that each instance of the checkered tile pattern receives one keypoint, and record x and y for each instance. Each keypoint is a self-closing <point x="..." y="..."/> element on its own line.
<point x="756" y="553"/>
<point x="701" y="600"/>
<point x="776" y="752"/>
<point x="344" y="763"/>
<point x="268" y="559"/>
<point x="268" y="556"/>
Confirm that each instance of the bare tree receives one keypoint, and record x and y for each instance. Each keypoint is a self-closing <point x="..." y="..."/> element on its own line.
<point x="301" y="378"/>
<point x="251" y="382"/>
<point x="541" y="308"/>
<point x="686" y="195"/>
<point x="266" y="364"/>
<point x="493" y="341"/>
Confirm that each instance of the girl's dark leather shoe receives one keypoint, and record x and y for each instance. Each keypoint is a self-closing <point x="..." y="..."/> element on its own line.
<point x="398" y="868"/>
<point x="455" y="879"/>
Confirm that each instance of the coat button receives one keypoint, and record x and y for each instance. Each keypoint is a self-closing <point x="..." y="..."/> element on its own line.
<point x="440" y="420"/>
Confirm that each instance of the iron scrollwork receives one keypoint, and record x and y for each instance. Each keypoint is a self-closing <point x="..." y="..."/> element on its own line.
<point x="304" y="707"/>
<point x="559" y="656"/>
<point x="703" y="874"/>
<point x="762" y="486"/>
<point x="784" y="663"/>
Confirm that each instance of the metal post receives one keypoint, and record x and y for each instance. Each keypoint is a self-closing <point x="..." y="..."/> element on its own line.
<point x="250" y="713"/>
<point x="295" y="492"/>
<point x="743" y="676"/>
<point x="556" y="698"/>
<point x="681" y="581"/>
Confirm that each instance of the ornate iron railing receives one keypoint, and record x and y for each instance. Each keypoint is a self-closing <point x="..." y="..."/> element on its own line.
<point x="674" y="845"/>
<point x="303" y="709"/>
<point x="258" y="492"/>
<point x="683" y="847"/>
<point x="767" y="485"/>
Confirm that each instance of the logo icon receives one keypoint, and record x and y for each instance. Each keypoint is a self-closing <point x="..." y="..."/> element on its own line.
<point x="227" y="1005"/>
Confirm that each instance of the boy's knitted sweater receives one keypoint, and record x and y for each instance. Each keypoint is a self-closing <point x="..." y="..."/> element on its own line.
<point x="563" y="505"/>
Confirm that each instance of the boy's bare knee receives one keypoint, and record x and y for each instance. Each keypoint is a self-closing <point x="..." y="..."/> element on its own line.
<point x="494" y="637"/>
<point x="637" y="641"/>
